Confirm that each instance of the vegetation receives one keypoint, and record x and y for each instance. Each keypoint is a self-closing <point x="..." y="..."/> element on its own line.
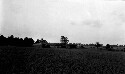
<point x="30" y="60"/>
<point x="37" y="41"/>
<point x="64" y="40"/>
<point x="16" y="41"/>
<point x="108" y="47"/>
<point x="98" y="44"/>
<point x="17" y="56"/>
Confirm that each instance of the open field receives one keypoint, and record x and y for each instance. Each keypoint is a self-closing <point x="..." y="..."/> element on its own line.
<point x="31" y="60"/>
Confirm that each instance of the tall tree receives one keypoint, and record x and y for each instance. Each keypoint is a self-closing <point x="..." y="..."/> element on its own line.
<point x="64" y="40"/>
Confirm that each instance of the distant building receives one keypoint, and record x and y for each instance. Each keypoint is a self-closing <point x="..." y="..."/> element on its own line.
<point x="118" y="47"/>
<point x="42" y="43"/>
<point x="37" y="45"/>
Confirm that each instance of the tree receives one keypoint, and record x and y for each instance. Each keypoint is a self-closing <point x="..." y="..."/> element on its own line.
<point x="108" y="47"/>
<point x="64" y="40"/>
<point x="98" y="44"/>
<point x="11" y="40"/>
<point x="44" y="43"/>
<point x="3" y="40"/>
<point x="37" y="41"/>
<point x="28" y="41"/>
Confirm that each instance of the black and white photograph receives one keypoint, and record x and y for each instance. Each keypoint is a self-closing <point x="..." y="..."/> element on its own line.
<point x="62" y="36"/>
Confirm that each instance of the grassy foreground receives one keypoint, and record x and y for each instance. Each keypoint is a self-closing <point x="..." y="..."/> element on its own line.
<point x="31" y="60"/>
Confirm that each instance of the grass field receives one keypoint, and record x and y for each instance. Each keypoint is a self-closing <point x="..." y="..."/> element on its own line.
<point x="31" y="60"/>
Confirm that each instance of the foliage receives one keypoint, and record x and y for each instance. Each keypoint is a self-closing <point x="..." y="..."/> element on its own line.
<point x="98" y="44"/>
<point x="15" y="41"/>
<point x="108" y="46"/>
<point x="64" y="40"/>
<point x="37" y="41"/>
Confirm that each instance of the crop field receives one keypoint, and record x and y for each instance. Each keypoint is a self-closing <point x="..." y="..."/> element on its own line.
<point x="32" y="60"/>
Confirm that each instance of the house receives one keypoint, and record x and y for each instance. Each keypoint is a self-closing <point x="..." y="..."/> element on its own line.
<point x="42" y="43"/>
<point x="37" y="45"/>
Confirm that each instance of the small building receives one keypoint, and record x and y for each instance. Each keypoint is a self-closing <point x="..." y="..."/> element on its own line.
<point x="42" y="44"/>
<point x="37" y="45"/>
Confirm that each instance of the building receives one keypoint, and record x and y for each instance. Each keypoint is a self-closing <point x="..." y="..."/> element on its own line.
<point x="42" y="44"/>
<point x="118" y="47"/>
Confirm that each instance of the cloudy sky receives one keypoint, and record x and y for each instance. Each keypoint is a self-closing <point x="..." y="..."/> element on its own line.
<point x="83" y="21"/>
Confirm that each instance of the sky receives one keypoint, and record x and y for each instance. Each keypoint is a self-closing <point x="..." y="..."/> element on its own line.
<point x="82" y="21"/>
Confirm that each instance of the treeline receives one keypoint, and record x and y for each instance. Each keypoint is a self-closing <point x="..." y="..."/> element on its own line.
<point x="16" y="41"/>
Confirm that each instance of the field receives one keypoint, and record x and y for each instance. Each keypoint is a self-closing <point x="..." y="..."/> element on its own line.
<point x="31" y="60"/>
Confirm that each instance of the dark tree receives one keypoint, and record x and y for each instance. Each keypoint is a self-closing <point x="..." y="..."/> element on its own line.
<point x="108" y="46"/>
<point x="15" y="41"/>
<point x="31" y="41"/>
<point x="64" y="40"/>
<point x="21" y="42"/>
<point x="3" y="40"/>
<point x="28" y="41"/>
<point x="44" y="43"/>
<point x="37" y="41"/>
<point x="11" y="40"/>
<point x="98" y="44"/>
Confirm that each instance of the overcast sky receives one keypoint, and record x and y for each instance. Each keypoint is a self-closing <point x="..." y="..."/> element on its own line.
<point x="83" y="21"/>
